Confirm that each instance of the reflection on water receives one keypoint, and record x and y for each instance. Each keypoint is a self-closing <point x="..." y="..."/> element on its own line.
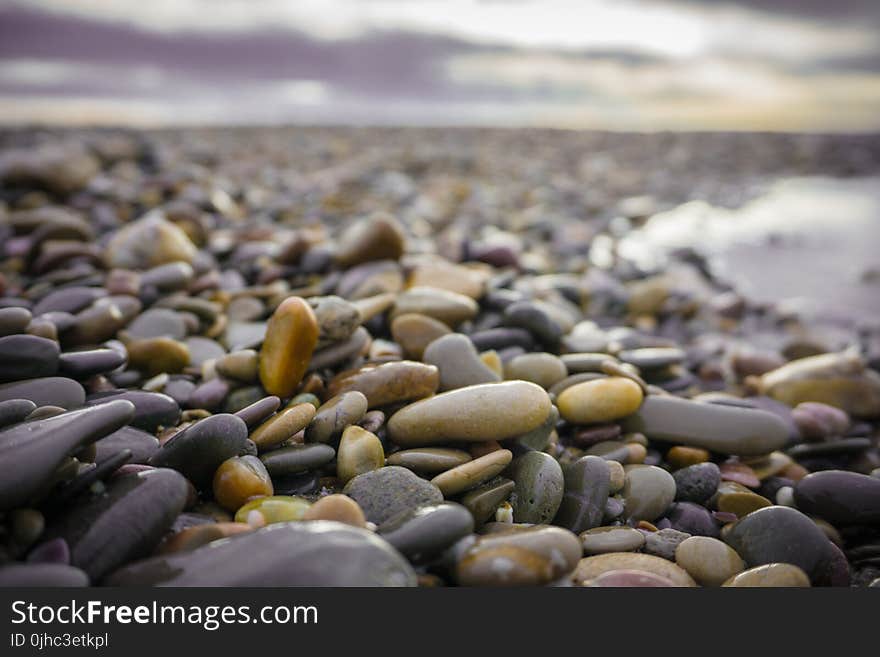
<point x="813" y="243"/>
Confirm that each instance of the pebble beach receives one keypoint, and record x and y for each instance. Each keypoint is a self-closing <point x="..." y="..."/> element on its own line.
<point x="428" y="357"/>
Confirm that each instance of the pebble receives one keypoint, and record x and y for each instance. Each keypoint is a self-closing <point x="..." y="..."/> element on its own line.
<point x="590" y="568"/>
<point x="148" y="242"/>
<point x="28" y="357"/>
<point x="709" y="561"/>
<point x="291" y="337"/>
<point x="153" y="356"/>
<point x="492" y="411"/>
<point x="779" y="534"/>
<point x="81" y="365"/>
<point x="157" y="323"/>
<point x="14" y="320"/>
<point x="648" y="492"/>
<point x="31" y="452"/>
<point x="92" y="529"/>
<point x="423" y="533"/>
<point x="724" y="429"/>
<point x="544" y="369"/>
<point x="15" y="410"/>
<point x="318" y="553"/>
<point x="587" y="483"/>
<point x="335" y="415"/>
<point x="534" y="318"/>
<point x="337" y="318"/>
<point x="190" y="538"/>
<point x="282" y="426"/>
<point x="532" y="556"/>
<point x="340" y="508"/>
<point x="539" y="486"/>
<point x="199" y="449"/>
<point x="692" y="519"/>
<point x="272" y="509"/>
<point x="840" y="497"/>
<point x="389" y="383"/>
<point x="664" y="542"/>
<point x="429" y="460"/>
<point x="239" y="479"/>
<point x="777" y="575"/>
<point x="696" y="483"/>
<point x="379" y="237"/>
<point x="42" y="575"/>
<point x="628" y="579"/>
<point x="483" y="501"/>
<point x="152" y="410"/>
<point x="297" y="458"/>
<point x="385" y="492"/>
<point x="837" y="379"/>
<point x="240" y="365"/>
<point x="448" y="307"/>
<point x="601" y="540"/>
<point x="414" y="332"/>
<point x="739" y="500"/>
<point x="46" y="391"/>
<point x="602" y="400"/>
<point x="472" y="473"/>
<point x="141" y="444"/>
<point x="458" y="362"/>
<point x="359" y="451"/>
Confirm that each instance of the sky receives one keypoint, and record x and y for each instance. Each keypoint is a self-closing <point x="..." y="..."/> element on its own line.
<point x="792" y="65"/>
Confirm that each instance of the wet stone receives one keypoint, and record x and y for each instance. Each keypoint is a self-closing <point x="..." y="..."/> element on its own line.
<point x="770" y="575"/>
<point x="81" y="365"/>
<point x="472" y="473"/>
<point x="335" y="415"/>
<point x="141" y="444"/>
<point x="429" y="460"/>
<point x="388" y="491"/>
<point x="340" y="508"/>
<point x="423" y="533"/>
<point x="239" y="479"/>
<point x="282" y="426"/>
<point x="648" y="492"/>
<point x="27" y="357"/>
<point x="601" y="540"/>
<point x="458" y="362"/>
<point x="696" y="483"/>
<point x="151" y="409"/>
<point x="297" y="458"/>
<point x="318" y="553"/>
<point x="539" y="487"/>
<point x="359" y="451"/>
<point x="291" y="337"/>
<point x="586" y="489"/>
<point x="484" y="500"/>
<point x="389" y="383"/>
<point x="198" y="450"/>
<point x="602" y="400"/>
<point x="592" y="567"/>
<point x="271" y="509"/>
<point x="15" y="410"/>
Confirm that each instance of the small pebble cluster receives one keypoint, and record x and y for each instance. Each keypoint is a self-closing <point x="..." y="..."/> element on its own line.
<point x="400" y="369"/>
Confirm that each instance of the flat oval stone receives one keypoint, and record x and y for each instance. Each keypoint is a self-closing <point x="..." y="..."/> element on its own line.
<point x="423" y="533"/>
<point x="316" y="553"/>
<point x="484" y="500"/>
<point x="647" y="358"/>
<point x="297" y="458"/>
<point x="448" y="307"/>
<point x="336" y="414"/>
<point x="141" y="444"/>
<point x="17" y="575"/>
<point x="539" y="486"/>
<point x="283" y="426"/>
<point x="429" y="460"/>
<point x="359" y="451"/>
<point x="739" y="500"/>
<point x="779" y="534"/>
<point x="414" y="332"/>
<point x="29" y="357"/>
<point x="31" y="452"/>
<point x="458" y="362"/>
<point x="16" y="410"/>
<point x="709" y="561"/>
<point x="533" y="317"/>
<point x="602" y="400"/>
<point x="239" y="479"/>
<point x="152" y="410"/>
<point x="153" y="356"/>
<point x="143" y="504"/>
<point x="696" y="483"/>
<point x="589" y="568"/>
<point x="601" y="540"/>
<point x="148" y="242"/>
<point x="544" y="369"/>
<point x="389" y="383"/>
<point x="291" y="337"/>
<point x="158" y="323"/>
<point x="648" y="492"/>
<point x="473" y="473"/>
<point x="198" y="450"/>
<point x="586" y="483"/>
<point x="242" y="365"/>
<point x="340" y="508"/>
<point x="385" y="492"/>
<point x="46" y="391"/>
<point x="14" y="320"/>
<point x="492" y="411"/>
<point x="840" y="497"/>
<point x="725" y="429"/>
<point x="81" y="365"/>
<point x="272" y="509"/>
<point x="529" y="556"/>
<point x="628" y="579"/>
<point x="770" y="575"/>
<point x="259" y="411"/>
<point x="836" y="379"/>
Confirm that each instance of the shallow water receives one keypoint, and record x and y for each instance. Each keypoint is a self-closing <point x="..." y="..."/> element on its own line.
<point x="810" y="243"/>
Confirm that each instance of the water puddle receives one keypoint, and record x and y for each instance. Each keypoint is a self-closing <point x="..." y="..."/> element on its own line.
<point x="810" y="243"/>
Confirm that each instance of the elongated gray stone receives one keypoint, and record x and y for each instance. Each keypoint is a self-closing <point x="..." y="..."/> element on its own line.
<point x="46" y="391"/>
<point x="587" y="481"/>
<point x="458" y="361"/>
<point x="311" y="553"/>
<point x="30" y="452"/>
<point x="124" y="523"/>
<point x="27" y="357"/>
<point x="724" y="429"/>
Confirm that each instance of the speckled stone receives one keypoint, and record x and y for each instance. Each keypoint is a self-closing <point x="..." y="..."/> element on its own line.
<point x="664" y="542"/>
<point x="388" y="491"/>
<point x="696" y="483"/>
